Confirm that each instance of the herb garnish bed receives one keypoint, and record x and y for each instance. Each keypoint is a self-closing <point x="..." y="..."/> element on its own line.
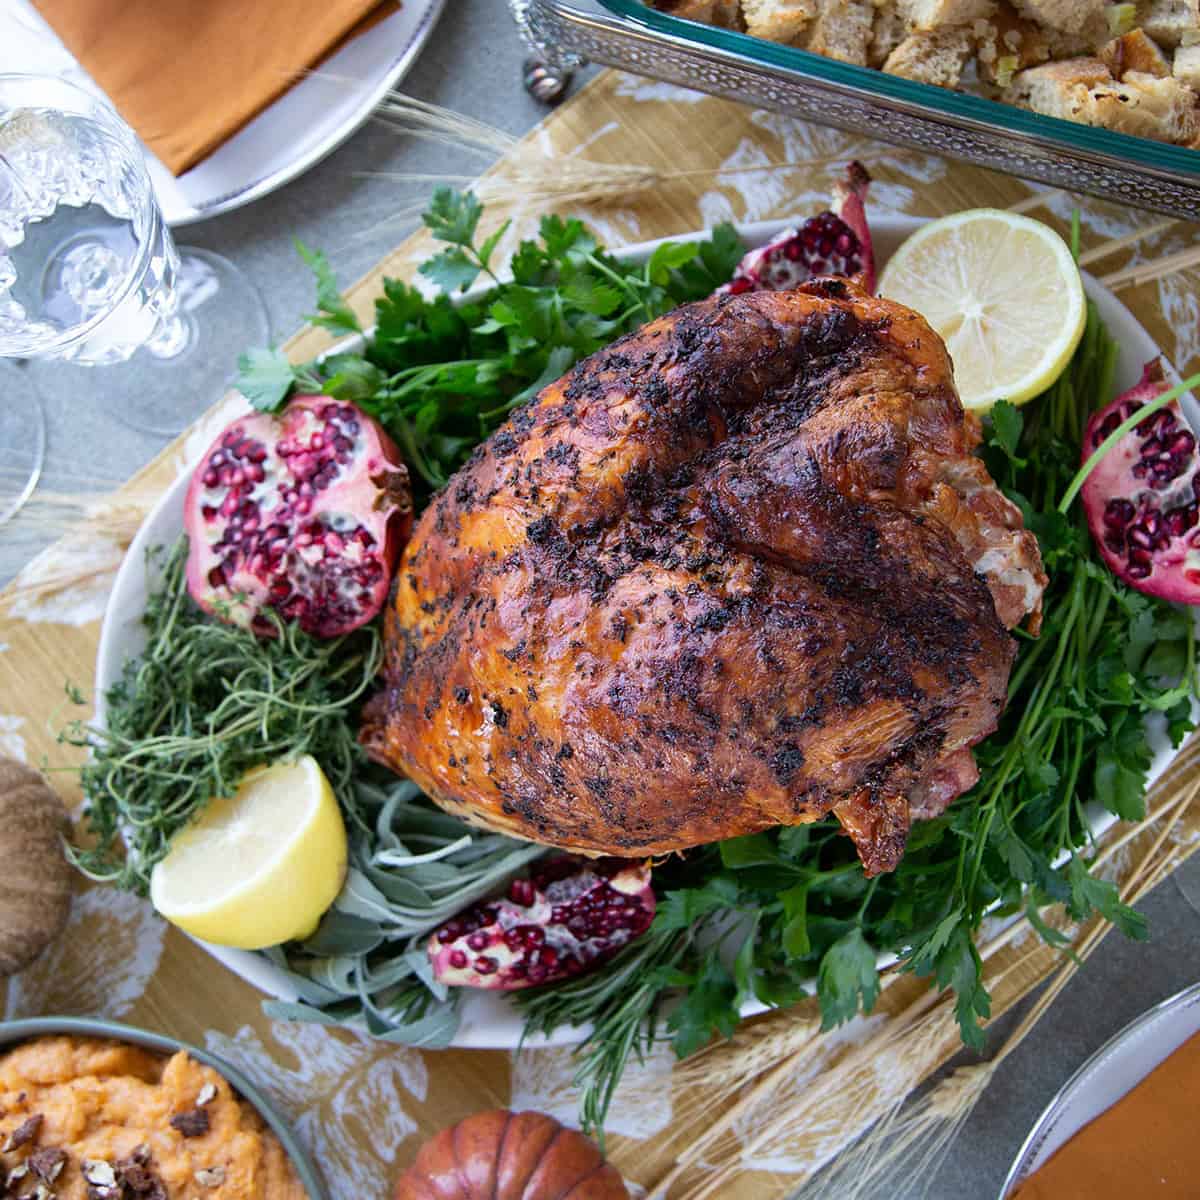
<point x="208" y="701"/>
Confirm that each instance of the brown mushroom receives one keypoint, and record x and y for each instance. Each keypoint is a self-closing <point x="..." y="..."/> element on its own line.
<point x="510" y="1156"/>
<point x="35" y="877"/>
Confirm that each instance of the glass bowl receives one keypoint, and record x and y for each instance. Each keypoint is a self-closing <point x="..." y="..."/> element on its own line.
<point x="631" y="35"/>
<point x="12" y="1032"/>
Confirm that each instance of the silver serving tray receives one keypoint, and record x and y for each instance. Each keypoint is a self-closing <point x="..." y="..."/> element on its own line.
<point x="1112" y="1072"/>
<point x="1078" y="158"/>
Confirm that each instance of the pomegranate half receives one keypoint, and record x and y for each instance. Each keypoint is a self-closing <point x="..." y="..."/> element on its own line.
<point x="304" y="513"/>
<point x="831" y="243"/>
<point x="1142" y="499"/>
<point x="568" y="915"/>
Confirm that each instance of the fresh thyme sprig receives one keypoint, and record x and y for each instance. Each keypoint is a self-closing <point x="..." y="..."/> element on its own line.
<point x="205" y="703"/>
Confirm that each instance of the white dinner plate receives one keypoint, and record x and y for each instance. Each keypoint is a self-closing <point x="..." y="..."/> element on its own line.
<point x="294" y="133"/>
<point x="488" y="1020"/>
<point x="1112" y="1072"/>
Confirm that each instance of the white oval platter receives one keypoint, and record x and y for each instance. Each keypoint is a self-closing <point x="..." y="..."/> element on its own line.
<point x="488" y="1020"/>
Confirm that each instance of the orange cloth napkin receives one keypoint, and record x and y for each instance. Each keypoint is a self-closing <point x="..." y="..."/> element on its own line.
<point x="188" y="74"/>
<point x="1143" y="1148"/>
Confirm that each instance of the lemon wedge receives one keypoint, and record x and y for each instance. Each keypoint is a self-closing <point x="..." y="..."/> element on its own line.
<point x="260" y="867"/>
<point x="1005" y="295"/>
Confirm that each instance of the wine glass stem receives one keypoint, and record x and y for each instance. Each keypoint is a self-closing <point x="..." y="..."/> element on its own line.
<point x="195" y="281"/>
<point x="174" y="336"/>
<point x="22" y="443"/>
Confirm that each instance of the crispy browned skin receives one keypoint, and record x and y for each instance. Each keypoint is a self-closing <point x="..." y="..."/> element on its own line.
<point x="717" y="578"/>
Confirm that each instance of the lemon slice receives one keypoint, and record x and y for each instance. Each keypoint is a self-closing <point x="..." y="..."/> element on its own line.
<point x="1005" y="295"/>
<point x="260" y="867"/>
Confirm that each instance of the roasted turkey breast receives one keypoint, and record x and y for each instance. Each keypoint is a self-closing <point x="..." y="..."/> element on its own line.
<point x="738" y="570"/>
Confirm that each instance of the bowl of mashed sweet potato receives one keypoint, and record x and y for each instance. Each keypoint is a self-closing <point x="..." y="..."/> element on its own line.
<point x="92" y="1110"/>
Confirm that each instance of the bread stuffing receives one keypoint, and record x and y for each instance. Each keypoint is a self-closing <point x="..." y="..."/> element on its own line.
<point x="1131" y="68"/>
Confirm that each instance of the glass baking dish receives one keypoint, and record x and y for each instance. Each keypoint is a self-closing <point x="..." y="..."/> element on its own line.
<point x="631" y="35"/>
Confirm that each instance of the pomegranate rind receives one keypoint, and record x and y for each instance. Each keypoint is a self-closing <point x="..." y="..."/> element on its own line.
<point x="1142" y="499"/>
<point x="850" y="198"/>
<point x="834" y="243"/>
<point x="569" y="915"/>
<point x="304" y="513"/>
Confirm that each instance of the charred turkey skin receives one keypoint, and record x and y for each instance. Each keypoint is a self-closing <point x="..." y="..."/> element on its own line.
<point x="738" y="570"/>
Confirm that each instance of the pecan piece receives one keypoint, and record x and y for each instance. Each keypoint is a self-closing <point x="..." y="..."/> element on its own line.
<point x="47" y="1163"/>
<point x="192" y="1123"/>
<point x="24" y="1133"/>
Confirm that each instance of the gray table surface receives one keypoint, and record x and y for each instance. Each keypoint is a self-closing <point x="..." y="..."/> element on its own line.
<point x="472" y="64"/>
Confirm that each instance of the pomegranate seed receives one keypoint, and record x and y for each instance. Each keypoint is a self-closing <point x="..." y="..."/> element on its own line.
<point x="1118" y="513"/>
<point x="485" y="965"/>
<point x="458" y="959"/>
<point x="1176" y="520"/>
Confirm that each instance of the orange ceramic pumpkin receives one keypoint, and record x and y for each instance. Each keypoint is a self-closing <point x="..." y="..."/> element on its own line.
<point x="510" y="1156"/>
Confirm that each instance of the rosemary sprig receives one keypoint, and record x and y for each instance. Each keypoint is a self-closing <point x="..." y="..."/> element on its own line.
<point x="620" y="1003"/>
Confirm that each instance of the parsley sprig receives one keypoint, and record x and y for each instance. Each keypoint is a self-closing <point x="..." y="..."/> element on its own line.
<point x="442" y="373"/>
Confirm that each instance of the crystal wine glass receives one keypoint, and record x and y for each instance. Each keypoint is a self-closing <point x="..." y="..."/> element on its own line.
<point x="90" y="275"/>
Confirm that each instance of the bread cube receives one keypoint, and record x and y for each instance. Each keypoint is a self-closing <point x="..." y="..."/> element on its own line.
<point x="932" y="56"/>
<point x="1135" y="52"/>
<point x="778" y="20"/>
